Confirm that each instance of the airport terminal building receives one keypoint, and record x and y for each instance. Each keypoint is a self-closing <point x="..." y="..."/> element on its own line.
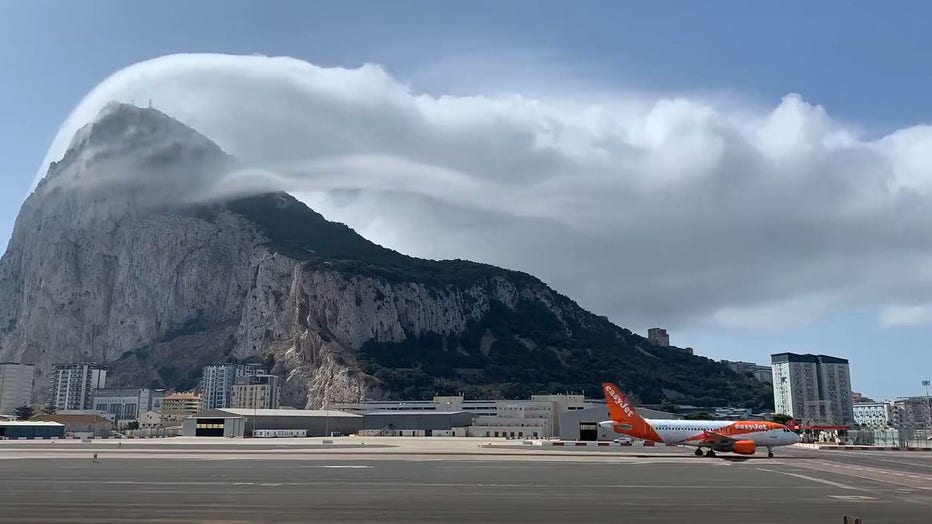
<point x="568" y="417"/>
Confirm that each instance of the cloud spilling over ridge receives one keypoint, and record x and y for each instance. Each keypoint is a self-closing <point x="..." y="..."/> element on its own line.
<point x="669" y="211"/>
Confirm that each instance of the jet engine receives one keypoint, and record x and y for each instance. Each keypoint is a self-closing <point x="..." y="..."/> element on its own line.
<point x="741" y="447"/>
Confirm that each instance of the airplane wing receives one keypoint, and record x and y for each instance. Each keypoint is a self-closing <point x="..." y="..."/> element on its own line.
<point x="709" y="438"/>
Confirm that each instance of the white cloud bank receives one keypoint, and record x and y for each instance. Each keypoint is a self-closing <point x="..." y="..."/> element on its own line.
<point x="668" y="211"/>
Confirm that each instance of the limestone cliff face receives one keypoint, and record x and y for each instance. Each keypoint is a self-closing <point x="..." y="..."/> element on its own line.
<point x="109" y="263"/>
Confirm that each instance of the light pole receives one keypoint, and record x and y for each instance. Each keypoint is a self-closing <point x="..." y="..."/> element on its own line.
<point x="926" y="384"/>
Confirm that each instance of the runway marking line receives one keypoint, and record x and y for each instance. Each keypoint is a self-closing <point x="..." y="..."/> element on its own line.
<point x="858" y="498"/>
<point x="813" y="479"/>
<point x="419" y="484"/>
<point x="340" y="466"/>
<point x="867" y="473"/>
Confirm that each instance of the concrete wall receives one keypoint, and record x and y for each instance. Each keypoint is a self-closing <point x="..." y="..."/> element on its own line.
<point x="428" y="420"/>
<point x="569" y="422"/>
<point x="316" y="426"/>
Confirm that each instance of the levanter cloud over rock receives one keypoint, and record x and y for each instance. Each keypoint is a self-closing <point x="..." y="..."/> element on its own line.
<point x="128" y="253"/>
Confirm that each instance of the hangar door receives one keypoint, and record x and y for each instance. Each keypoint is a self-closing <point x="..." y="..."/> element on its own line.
<point x="589" y="431"/>
<point x="209" y="427"/>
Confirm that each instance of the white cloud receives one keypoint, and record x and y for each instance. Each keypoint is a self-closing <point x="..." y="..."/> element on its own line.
<point x="906" y="315"/>
<point x="672" y="210"/>
<point x="794" y="311"/>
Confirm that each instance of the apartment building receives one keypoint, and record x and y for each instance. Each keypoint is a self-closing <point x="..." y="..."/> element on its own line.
<point x="16" y="382"/>
<point x="813" y="389"/>
<point x="71" y="386"/>
<point x="256" y="392"/>
<point x="217" y="383"/>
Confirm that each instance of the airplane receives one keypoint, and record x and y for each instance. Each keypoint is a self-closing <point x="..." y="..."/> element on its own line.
<point x="735" y="436"/>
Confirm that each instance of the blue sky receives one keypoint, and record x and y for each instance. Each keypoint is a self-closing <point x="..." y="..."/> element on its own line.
<point x="862" y="61"/>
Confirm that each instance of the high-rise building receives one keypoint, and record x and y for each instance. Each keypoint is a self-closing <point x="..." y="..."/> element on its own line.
<point x="127" y="403"/>
<point x="658" y="337"/>
<point x="71" y="386"/>
<point x="217" y="383"/>
<point x="813" y="389"/>
<point x="912" y="413"/>
<point x="873" y="414"/>
<point x="15" y="386"/>
<point x="256" y="392"/>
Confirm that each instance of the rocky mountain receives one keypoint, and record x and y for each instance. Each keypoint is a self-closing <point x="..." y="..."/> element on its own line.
<point x="116" y="258"/>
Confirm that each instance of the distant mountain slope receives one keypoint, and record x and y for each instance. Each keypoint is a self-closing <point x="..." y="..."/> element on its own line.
<point x="108" y="262"/>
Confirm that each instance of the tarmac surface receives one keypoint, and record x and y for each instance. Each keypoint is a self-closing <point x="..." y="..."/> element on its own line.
<point x="450" y="480"/>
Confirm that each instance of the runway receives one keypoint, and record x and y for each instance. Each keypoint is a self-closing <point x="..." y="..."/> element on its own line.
<point x="396" y="483"/>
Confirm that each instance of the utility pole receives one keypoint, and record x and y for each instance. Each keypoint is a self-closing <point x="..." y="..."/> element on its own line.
<point x="327" y="413"/>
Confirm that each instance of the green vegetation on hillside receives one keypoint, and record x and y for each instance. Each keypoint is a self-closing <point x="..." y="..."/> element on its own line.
<point x="530" y="355"/>
<point x="510" y="353"/>
<point x="301" y="233"/>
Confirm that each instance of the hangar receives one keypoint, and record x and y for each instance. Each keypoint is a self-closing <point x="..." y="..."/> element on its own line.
<point x="30" y="429"/>
<point x="583" y="424"/>
<point x="317" y="422"/>
<point x="416" y="423"/>
<point x="213" y="424"/>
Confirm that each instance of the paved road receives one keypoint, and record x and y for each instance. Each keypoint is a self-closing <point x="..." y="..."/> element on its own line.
<point x="660" y="488"/>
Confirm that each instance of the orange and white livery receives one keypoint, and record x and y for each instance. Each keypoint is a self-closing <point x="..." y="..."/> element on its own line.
<point x="736" y="436"/>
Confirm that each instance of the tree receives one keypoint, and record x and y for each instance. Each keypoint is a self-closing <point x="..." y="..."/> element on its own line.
<point x="781" y="418"/>
<point x="698" y="415"/>
<point x="132" y="425"/>
<point x="24" y="412"/>
<point x="49" y="409"/>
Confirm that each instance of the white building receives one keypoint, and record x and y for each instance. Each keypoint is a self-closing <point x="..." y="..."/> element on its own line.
<point x="150" y="419"/>
<point x="538" y="417"/>
<point x="813" y="389"/>
<point x="873" y="414"/>
<point x="256" y="392"/>
<point x="217" y="383"/>
<point x="15" y="386"/>
<point x="516" y="419"/>
<point x="759" y="372"/>
<point x="127" y="403"/>
<point x="439" y="403"/>
<point x="71" y="386"/>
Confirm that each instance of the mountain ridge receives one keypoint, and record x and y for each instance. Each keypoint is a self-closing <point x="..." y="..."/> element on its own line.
<point x="127" y="270"/>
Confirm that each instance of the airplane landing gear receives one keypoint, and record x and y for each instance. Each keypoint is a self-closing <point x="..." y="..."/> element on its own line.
<point x="698" y="452"/>
<point x="710" y="453"/>
<point x="769" y="452"/>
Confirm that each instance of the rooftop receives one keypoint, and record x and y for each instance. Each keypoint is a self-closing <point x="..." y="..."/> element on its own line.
<point x="244" y="412"/>
<point x="430" y="413"/>
<point x="182" y="396"/>
<point x="28" y="423"/>
<point x="808" y="357"/>
<point x="72" y="419"/>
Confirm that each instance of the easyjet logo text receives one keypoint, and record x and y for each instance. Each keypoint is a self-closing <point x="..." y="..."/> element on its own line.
<point x="752" y="427"/>
<point x="618" y="400"/>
